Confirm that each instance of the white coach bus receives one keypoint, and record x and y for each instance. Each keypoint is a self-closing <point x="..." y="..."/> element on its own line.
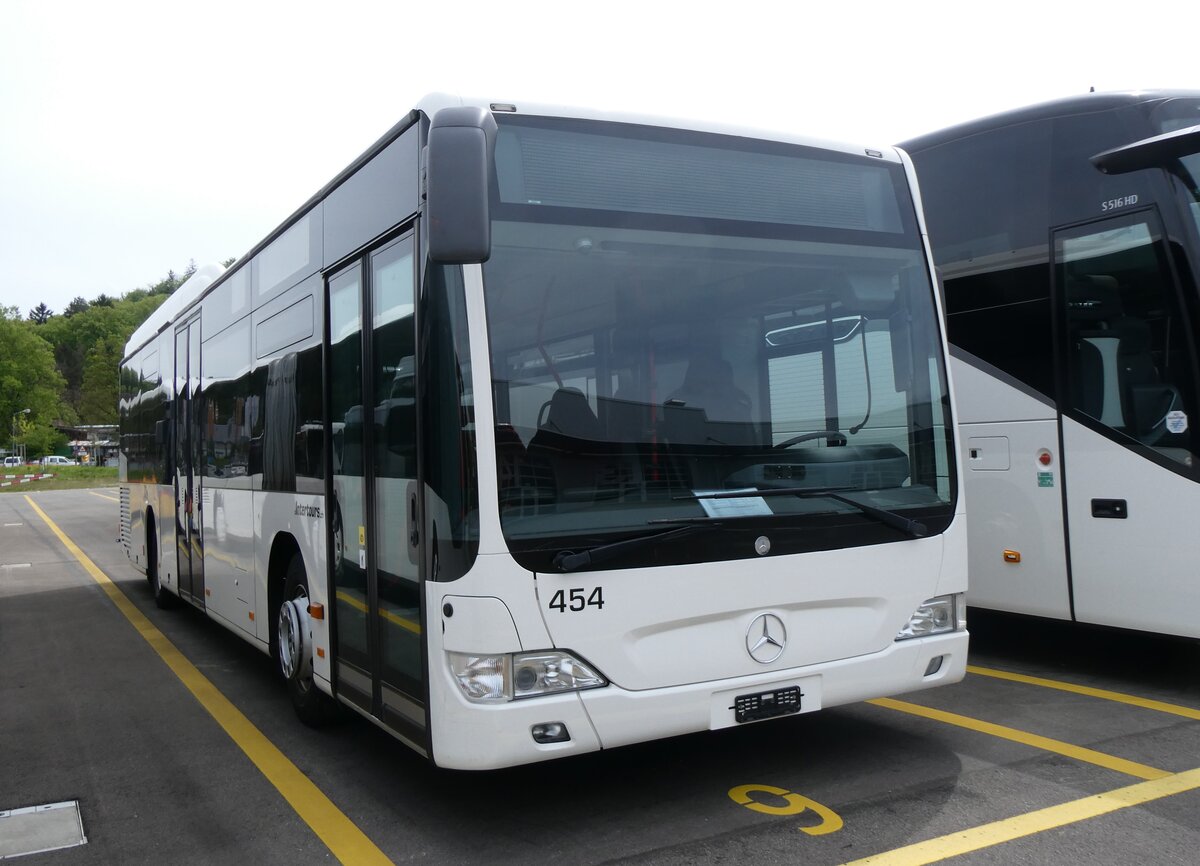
<point x="537" y="432"/>
<point x="1068" y="237"/>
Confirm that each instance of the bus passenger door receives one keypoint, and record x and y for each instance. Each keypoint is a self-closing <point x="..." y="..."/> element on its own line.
<point x="374" y="502"/>
<point x="1129" y="427"/>
<point x="186" y="420"/>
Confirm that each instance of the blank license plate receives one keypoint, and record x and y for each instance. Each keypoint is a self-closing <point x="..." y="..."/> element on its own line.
<point x="767" y="705"/>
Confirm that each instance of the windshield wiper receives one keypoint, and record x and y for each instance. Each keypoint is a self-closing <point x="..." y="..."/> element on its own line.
<point x="915" y="528"/>
<point x="568" y="560"/>
<point x="889" y="518"/>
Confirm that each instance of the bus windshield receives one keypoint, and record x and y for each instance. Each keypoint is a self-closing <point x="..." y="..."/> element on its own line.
<point x="657" y="340"/>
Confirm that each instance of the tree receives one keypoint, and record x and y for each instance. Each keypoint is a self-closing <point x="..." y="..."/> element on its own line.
<point x="86" y="344"/>
<point x="98" y="397"/>
<point x="75" y="337"/>
<point x="172" y="281"/>
<point x="28" y="380"/>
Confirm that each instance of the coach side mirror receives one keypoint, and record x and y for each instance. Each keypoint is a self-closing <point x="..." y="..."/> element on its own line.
<point x="1154" y="152"/>
<point x="458" y="172"/>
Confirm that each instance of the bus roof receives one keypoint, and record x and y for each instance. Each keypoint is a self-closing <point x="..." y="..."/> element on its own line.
<point x="1084" y="103"/>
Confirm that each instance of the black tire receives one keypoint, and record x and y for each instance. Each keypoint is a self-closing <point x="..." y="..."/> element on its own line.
<point x="314" y="707"/>
<point x="162" y="598"/>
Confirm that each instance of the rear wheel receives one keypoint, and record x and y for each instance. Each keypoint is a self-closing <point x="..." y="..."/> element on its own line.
<point x="294" y="633"/>
<point x="162" y="597"/>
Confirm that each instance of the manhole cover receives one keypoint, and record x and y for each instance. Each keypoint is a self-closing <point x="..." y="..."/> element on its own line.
<point x="35" y="829"/>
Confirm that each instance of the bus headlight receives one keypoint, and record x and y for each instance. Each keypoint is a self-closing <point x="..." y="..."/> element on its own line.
<point x="511" y="676"/>
<point x="940" y="615"/>
<point x="482" y="678"/>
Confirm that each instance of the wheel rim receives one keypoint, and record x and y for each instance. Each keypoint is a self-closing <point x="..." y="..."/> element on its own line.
<point x="338" y="538"/>
<point x="291" y="637"/>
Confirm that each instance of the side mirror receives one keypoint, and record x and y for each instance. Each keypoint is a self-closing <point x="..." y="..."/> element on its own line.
<point x="458" y="172"/>
<point x="1153" y="152"/>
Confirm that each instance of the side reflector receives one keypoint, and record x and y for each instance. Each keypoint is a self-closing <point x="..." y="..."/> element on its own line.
<point x="1012" y="556"/>
<point x="320" y="652"/>
<point x="251" y="616"/>
<point x="316" y="611"/>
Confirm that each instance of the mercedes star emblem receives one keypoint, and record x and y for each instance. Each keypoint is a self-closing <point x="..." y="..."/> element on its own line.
<point x="766" y="638"/>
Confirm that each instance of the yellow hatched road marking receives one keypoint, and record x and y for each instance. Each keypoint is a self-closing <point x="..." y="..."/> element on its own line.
<point x="1079" y="753"/>
<point x="1144" y="703"/>
<point x="998" y="832"/>
<point x="343" y="838"/>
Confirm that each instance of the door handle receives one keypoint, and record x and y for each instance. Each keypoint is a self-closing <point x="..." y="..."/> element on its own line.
<point x="1116" y="509"/>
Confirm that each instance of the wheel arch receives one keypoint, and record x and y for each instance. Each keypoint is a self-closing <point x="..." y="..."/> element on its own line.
<point x="153" y="542"/>
<point x="283" y="547"/>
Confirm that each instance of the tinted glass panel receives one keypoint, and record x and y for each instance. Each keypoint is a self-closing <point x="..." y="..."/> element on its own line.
<point x="393" y="374"/>
<point x="647" y="171"/>
<point x="1129" y="362"/>
<point x="452" y="497"/>
<point x="643" y="364"/>
<point x="228" y="403"/>
<point x="348" y="512"/>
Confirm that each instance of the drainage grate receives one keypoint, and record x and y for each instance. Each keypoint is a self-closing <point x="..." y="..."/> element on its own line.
<point x="36" y="829"/>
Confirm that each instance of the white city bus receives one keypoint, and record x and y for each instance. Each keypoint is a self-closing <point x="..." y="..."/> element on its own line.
<point x="537" y="432"/>
<point x="1066" y="235"/>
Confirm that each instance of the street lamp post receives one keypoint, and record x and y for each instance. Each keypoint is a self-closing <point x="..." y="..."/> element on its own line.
<point x="15" y="416"/>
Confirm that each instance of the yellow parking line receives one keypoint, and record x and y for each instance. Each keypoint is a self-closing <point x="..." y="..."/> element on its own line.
<point x="1046" y="744"/>
<point x="998" y="832"/>
<point x="1144" y="703"/>
<point x="102" y="496"/>
<point x="343" y="838"/>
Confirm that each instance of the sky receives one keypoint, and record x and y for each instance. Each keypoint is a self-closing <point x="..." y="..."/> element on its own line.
<point x="136" y="137"/>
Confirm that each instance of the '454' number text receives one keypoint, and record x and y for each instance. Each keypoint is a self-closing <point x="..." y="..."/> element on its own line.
<point x="577" y="599"/>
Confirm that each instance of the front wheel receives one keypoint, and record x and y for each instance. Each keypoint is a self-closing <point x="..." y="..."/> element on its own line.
<point x="294" y="630"/>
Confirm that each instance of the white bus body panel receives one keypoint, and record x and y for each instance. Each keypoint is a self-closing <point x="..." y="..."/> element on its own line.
<point x="687" y="624"/>
<point x="1138" y="572"/>
<point x="1016" y="501"/>
<point x="678" y="674"/>
<point x="227" y="520"/>
<point x="164" y="522"/>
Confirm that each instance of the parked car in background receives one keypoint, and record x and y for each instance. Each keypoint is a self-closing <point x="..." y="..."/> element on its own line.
<point x="56" y="460"/>
<point x="10" y="462"/>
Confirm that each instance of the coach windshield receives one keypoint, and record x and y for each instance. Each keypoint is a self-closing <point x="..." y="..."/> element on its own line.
<point x="676" y="317"/>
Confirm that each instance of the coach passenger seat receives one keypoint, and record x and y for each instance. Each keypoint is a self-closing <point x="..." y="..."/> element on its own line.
<point x="1093" y="303"/>
<point x="570" y="439"/>
<point x="1145" y="398"/>
<point x="570" y="414"/>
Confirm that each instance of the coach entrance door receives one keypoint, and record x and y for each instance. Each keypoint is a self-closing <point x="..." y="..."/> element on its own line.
<point x="374" y="496"/>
